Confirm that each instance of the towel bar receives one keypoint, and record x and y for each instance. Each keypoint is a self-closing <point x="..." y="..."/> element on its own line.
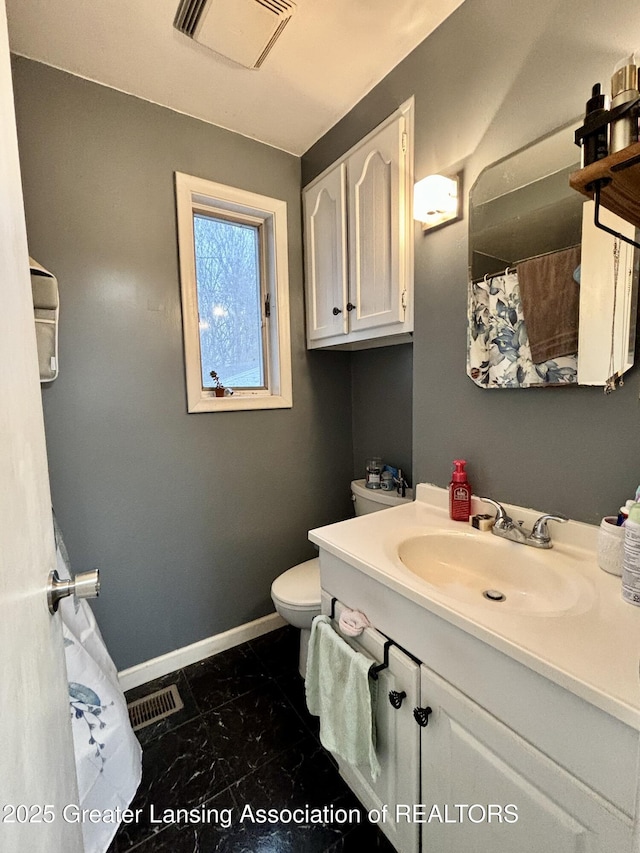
<point x="374" y="669"/>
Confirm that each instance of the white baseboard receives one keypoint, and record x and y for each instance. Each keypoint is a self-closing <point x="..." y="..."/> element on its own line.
<point x="139" y="674"/>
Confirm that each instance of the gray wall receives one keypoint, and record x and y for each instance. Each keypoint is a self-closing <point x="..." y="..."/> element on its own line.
<point x="496" y="75"/>
<point x="381" y="386"/>
<point x="190" y="517"/>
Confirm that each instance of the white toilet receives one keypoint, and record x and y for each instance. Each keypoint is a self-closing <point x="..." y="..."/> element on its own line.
<point x="296" y="592"/>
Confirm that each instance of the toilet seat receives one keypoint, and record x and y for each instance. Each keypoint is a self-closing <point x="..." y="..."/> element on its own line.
<point x="296" y="593"/>
<point x="299" y="587"/>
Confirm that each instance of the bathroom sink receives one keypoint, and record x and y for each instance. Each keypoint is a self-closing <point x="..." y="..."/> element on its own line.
<point x="493" y="572"/>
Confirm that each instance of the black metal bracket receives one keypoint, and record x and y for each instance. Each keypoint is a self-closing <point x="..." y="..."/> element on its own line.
<point x="596" y="122"/>
<point x="374" y="669"/>
<point x="596" y="186"/>
<point x="332" y="614"/>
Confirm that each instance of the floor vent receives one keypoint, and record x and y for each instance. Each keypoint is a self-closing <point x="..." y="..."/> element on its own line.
<point x="156" y="706"/>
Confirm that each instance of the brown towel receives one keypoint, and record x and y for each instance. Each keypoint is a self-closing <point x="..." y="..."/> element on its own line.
<point x="550" y="303"/>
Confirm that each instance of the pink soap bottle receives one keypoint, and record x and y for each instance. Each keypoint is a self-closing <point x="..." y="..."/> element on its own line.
<point x="459" y="493"/>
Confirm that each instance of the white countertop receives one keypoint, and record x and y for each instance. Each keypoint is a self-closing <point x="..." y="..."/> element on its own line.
<point x="593" y="650"/>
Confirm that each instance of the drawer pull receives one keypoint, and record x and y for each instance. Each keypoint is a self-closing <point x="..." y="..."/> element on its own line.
<point x="421" y="715"/>
<point x="337" y="311"/>
<point x="396" y="698"/>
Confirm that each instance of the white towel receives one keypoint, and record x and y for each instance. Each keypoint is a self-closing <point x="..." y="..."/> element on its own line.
<point x="353" y="622"/>
<point x="340" y="692"/>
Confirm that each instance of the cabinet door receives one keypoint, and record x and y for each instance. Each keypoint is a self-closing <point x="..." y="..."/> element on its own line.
<point x="606" y="343"/>
<point x="473" y="766"/>
<point x="378" y="229"/>
<point x="397" y="742"/>
<point x="325" y="231"/>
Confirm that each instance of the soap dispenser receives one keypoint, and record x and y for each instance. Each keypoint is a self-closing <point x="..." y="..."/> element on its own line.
<point x="459" y="493"/>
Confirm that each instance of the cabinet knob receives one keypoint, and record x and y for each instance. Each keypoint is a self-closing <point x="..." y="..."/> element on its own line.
<point x="350" y="306"/>
<point x="421" y="715"/>
<point x="337" y="311"/>
<point x="396" y="698"/>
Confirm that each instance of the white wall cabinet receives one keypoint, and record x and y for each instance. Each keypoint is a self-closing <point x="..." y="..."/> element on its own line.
<point x="358" y="233"/>
<point x="497" y="735"/>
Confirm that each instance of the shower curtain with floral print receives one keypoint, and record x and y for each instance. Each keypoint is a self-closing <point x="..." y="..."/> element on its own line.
<point x="107" y="753"/>
<point x="498" y="353"/>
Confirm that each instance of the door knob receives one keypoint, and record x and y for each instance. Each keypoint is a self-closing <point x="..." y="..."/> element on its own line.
<point x="350" y="306"/>
<point x="84" y="585"/>
<point x="336" y="311"/>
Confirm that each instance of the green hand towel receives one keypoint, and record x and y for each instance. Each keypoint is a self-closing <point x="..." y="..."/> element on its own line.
<point x="340" y="692"/>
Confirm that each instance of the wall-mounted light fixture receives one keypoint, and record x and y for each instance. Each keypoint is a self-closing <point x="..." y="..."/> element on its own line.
<point x="437" y="200"/>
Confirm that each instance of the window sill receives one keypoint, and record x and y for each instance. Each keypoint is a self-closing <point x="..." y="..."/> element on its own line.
<point x="239" y="402"/>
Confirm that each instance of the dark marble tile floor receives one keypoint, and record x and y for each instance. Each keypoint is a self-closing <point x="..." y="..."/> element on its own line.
<point x="243" y="742"/>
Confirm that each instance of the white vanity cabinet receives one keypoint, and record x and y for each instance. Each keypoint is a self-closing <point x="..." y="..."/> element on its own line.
<point x="358" y="236"/>
<point x="498" y="734"/>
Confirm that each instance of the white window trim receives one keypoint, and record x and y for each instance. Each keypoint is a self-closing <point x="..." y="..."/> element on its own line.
<point x="197" y="193"/>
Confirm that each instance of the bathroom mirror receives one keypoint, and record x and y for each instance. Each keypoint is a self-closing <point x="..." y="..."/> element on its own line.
<point x="522" y="206"/>
<point x="522" y="209"/>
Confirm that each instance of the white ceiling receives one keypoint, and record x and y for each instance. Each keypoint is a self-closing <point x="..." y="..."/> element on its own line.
<point x="330" y="55"/>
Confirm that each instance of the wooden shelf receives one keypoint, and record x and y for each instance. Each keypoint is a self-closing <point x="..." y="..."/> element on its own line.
<point x="621" y="195"/>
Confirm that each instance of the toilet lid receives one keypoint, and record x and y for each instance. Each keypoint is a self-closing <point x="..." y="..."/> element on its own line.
<point x="300" y="585"/>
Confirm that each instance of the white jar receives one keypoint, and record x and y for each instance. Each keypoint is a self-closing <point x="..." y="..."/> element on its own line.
<point x="610" y="546"/>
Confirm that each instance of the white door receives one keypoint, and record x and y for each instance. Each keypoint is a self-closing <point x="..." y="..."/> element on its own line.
<point x="485" y="788"/>
<point x="376" y="175"/>
<point x="606" y="343"/>
<point x="325" y="251"/>
<point x="37" y="773"/>
<point x="397" y="744"/>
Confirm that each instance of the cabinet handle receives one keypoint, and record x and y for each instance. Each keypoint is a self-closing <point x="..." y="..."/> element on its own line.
<point x="421" y="715"/>
<point x="337" y="311"/>
<point x="396" y="698"/>
<point x="350" y="306"/>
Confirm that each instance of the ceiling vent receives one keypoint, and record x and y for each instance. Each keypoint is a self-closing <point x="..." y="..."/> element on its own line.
<point x="242" y="30"/>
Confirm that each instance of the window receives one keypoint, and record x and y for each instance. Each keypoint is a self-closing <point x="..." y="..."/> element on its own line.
<point x="235" y="297"/>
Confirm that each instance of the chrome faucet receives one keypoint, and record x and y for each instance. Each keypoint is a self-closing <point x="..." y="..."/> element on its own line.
<point x="507" y="528"/>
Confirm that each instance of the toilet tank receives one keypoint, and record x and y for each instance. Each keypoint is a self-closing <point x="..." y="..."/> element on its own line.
<point x="372" y="500"/>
